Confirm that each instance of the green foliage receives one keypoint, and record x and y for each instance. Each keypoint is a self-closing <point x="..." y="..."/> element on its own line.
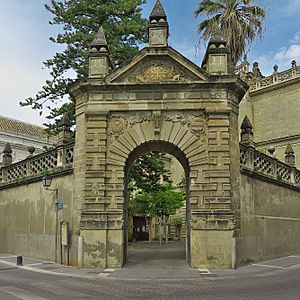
<point x="148" y="172"/>
<point x="55" y="115"/>
<point x="167" y="201"/>
<point x="80" y="19"/>
<point x="162" y="202"/>
<point x="176" y="219"/>
<point x="239" y="21"/>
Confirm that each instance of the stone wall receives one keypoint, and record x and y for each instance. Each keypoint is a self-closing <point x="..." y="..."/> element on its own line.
<point x="270" y="219"/>
<point x="273" y="107"/>
<point x="27" y="218"/>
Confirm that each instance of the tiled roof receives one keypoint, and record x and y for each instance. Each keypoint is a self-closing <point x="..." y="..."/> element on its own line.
<point x="25" y="129"/>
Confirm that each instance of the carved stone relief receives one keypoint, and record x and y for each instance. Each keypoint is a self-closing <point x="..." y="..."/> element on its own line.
<point x="118" y="123"/>
<point x="197" y="124"/>
<point x="195" y="121"/>
<point x="158" y="71"/>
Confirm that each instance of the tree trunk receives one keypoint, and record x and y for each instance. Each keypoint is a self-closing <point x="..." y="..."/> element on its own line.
<point x="160" y="230"/>
<point x="148" y="222"/>
<point x="167" y="229"/>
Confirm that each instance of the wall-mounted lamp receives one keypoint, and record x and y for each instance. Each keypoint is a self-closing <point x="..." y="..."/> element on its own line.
<point x="46" y="180"/>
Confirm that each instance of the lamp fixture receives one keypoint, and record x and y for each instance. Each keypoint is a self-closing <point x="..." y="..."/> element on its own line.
<point x="46" y="181"/>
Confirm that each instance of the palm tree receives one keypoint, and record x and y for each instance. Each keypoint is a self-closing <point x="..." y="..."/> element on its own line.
<point x="239" y="21"/>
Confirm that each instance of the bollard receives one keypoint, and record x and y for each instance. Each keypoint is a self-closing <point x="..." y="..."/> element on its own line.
<point x="80" y="251"/>
<point x="19" y="261"/>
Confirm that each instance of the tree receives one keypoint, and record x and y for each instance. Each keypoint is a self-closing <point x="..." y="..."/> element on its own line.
<point x="162" y="202"/>
<point x="240" y="22"/>
<point x="80" y="19"/>
<point x="148" y="172"/>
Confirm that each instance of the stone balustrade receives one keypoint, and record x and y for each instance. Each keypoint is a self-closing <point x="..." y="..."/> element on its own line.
<point x="61" y="159"/>
<point x="258" y="83"/>
<point x="268" y="166"/>
<point x="49" y="162"/>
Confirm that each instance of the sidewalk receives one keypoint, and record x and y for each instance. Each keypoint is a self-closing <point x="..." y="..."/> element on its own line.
<point x="160" y="269"/>
<point x="48" y="267"/>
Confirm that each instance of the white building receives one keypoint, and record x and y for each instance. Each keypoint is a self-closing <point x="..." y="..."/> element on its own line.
<point x="21" y="135"/>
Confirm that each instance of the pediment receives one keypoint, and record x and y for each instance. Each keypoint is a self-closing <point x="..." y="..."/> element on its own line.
<point x="150" y="67"/>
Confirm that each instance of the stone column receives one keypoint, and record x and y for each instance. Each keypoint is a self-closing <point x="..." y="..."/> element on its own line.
<point x="98" y="217"/>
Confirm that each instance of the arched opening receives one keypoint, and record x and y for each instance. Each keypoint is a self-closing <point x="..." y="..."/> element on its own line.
<point x="174" y="151"/>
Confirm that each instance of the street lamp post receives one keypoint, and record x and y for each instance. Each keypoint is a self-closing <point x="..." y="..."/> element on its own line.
<point x="47" y="180"/>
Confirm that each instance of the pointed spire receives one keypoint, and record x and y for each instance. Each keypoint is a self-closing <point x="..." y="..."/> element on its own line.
<point x="99" y="61"/>
<point x="7" y="155"/>
<point x="64" y="134"/>
<point x="246" y="124"/>
<point x="289" y="149"/>
<point x="158" y="27"/>
<point x="290" y="157"/>
<point x="256" y="70"/>
<point x="100" y="39"/>
<point x="158" y="12"/>
<point x="218" y="38"/>
<point x="65" y="120"/>
<point x="247" y="132"/>
<point x="7" y="149"/>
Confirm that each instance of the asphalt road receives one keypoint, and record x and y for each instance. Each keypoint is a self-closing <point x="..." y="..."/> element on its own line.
<point x="276" y="283"/>
<point x="160" y="275"/>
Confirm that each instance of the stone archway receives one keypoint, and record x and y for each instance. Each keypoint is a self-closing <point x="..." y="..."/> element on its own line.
<point x="164" y="147"/>
<point x="158" y="97"/>
<point x="181" y="134"/>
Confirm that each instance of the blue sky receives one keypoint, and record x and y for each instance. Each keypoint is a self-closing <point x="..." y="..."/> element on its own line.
<point x="25" y="44"/>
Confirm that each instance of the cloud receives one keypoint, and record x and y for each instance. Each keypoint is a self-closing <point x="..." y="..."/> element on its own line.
<point x="282" y="57"/>
<point x="296" y="38"/>
<point x="288" y="54"/>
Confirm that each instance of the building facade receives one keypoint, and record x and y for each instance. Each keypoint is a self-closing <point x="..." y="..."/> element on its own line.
<point x="272" y="105"/>
<point x="242" y="205"/>
<point x="21" y="135"/>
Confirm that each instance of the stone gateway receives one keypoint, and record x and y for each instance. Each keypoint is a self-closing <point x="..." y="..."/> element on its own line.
<point x="158" y="100"/>
<point x="237" y="198"/>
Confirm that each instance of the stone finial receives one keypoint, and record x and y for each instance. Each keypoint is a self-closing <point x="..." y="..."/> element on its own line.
<point x="275" y="68"/>
<point x="158" y="27"/>
<point x="271" y="150"/>
<point x="31" y="150"/>
<point x="99" y="61"/>
<point x="290" y="158"/>
<point x="294" y="64"/>
<point x="99" y="41"/>
<point x="217" y="59"/>
<point x="158" y="12"/>
<point x="65" y="121"/>
<point x="7" y="149"/>
<point x="247" y="132"/>
<point x="256" y="70"/>
<point x="64" y="134"/>
<point x="7" y="155"/>
<point x="245" y="64"/>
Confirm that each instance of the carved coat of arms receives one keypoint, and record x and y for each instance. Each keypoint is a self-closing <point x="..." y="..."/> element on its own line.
<point x="118" y="125"/>
<point x="197" y="124"/>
